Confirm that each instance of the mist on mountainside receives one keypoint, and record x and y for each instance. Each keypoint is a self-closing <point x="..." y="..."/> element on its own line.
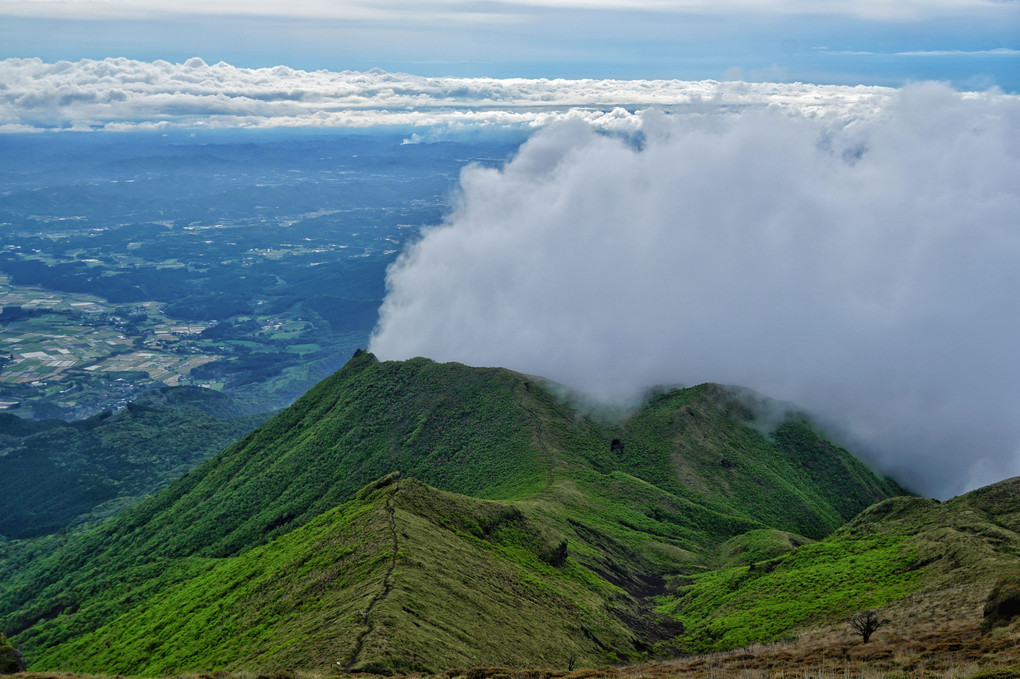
<point x="865" y="270"/>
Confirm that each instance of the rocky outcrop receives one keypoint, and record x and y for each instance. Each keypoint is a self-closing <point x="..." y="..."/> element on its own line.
<point x="1003" y="602"/>
<point x="11" y="660"/>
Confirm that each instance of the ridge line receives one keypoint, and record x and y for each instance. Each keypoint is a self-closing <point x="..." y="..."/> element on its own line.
<point x="381" y="594"/>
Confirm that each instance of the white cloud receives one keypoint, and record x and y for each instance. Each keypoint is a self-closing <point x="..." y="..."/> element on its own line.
<point x="867" y="270"/>
<point x="902" y="10"/>
<point x="996" y="52"/>
<point x="96" y="9"/>
<point x="458" y="11"/>
<point x="124" y="94"/>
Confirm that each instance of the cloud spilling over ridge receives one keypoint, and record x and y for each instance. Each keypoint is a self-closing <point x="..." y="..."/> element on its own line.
<point x="122" y="94"/>
<point x="869" y="272"/>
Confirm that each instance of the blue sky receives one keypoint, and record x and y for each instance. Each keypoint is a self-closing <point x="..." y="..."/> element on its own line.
<point x="974" y="44"/>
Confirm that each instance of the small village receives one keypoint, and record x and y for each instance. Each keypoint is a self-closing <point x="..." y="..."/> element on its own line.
<point x="60" y="338"/>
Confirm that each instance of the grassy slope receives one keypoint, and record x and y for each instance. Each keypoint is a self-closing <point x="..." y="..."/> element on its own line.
<point x="758" y="545"/>
<point x="664" y="499"/>
<point x="453" y="427"/>
<point x="695" y="443"/>
<point x="469" y="582"/>
<point x="247" y="607"/>
<point x="487" y="432"/>
<point x="660" y="508"/>
<point x="917" y="557"/>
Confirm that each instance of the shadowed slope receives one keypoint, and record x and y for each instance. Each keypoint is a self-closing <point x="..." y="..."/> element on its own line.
<point x="57" y="474"/>
<point x="699" y="444"/>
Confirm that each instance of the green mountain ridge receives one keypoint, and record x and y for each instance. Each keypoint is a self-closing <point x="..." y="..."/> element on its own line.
<point x="531" y="534"/>
<point x="404" y="577"/>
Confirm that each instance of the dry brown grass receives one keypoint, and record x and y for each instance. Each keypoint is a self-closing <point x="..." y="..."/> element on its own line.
<point x="954" y="649"/>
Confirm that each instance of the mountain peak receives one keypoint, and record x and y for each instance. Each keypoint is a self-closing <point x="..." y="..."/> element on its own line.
<point x="531" y="521"/>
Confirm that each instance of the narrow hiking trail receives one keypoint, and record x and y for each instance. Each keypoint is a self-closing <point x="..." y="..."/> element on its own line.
<point x="381" y="595"/>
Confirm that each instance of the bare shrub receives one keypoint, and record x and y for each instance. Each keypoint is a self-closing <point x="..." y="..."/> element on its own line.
<point x="865" y="623"/>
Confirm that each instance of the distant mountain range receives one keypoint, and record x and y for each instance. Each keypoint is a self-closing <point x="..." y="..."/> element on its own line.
<point x="414" y="516"/>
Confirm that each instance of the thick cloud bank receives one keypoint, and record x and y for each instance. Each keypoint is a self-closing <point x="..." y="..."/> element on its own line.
<point x="122" y="94"/>
<point x="869" y="272"/>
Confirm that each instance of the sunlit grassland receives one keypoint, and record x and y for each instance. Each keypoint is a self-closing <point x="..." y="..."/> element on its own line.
<point x="762" y="602"/>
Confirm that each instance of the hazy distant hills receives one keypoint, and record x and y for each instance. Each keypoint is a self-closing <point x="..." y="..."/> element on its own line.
<point x="56" y="473"/>
<point x="520" y="530"/>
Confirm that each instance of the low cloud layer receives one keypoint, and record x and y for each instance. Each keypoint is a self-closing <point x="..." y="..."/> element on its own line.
<point x="123" y="94"/>
<point x="459" y="11"/>
<point x="868" y="271"/>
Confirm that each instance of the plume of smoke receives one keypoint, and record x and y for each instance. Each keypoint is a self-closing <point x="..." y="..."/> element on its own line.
<point x="869" y="272"/>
